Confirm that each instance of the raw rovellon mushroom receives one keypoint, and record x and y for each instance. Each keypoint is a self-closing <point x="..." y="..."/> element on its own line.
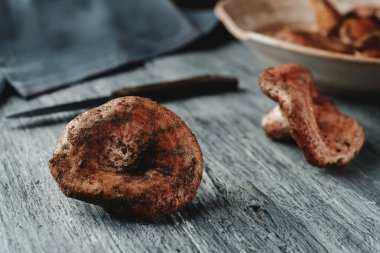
<point x="355" y="32"/>
<point x="327" y="137"/>
<point x="132" y="156"/>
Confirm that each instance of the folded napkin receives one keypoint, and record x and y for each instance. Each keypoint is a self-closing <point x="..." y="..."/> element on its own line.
<point x="46" y="44"/>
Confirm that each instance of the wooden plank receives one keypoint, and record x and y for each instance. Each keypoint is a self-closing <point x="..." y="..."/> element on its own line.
<point x="256" y="194"/>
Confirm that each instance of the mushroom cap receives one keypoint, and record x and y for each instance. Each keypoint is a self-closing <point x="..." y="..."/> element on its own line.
<point x="327" y="137"/>
<point x="312" y="39"/>
<point x="326" y="14"/>
<point x="359" y="27"/>
<point x="354" y="31"/>
<point x="131" y="156"/>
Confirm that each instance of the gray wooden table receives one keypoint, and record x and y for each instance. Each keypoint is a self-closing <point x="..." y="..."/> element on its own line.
<point x="256" y="195"/>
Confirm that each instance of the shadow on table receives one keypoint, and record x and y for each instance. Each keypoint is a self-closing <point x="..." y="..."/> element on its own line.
<point x="7" y="93"/>
<point x="190" y="212"/>
<point x="366" y="160"/>
<point x="206" y="206"/>
<point x="363" y="163"/>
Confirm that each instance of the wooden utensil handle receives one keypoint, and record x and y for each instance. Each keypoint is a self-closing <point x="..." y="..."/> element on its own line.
<point x="196" y="86"/>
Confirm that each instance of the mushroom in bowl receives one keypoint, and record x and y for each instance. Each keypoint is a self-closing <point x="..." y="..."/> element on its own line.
<point x="339" y="70"/>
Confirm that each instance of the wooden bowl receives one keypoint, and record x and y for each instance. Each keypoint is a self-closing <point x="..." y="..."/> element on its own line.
<point x="334" y="72"/>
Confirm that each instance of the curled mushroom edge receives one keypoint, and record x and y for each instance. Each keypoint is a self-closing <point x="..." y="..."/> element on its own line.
<point x="327" y="137"/>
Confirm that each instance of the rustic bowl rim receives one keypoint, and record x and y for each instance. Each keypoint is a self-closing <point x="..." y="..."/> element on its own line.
<point x="245" y="35"/>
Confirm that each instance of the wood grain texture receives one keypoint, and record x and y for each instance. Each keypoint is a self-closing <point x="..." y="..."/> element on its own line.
<point x="256" y="195"/>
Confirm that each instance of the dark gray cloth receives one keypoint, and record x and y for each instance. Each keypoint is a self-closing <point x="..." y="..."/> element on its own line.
<point x="46" y="44"/>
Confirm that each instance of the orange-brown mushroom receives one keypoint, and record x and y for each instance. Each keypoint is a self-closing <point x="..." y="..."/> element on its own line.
<point x="131" y="156"/>
<point x="360" y="29"/>
<point x="326" y="14"/>
<point x="370" y="45"/>
<point x="312" y="39"/>
<point x="327" y="137"/>
<point x="353" y="31"/>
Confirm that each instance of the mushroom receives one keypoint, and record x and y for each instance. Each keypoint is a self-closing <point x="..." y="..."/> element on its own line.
<point x="312" y="39"/>
<point x="327" y="16"/>
<point x="354" y="31"/>
<point x="327" y="137"/>
<point x="275" y="124"/>
<point x="132" y="156"/>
